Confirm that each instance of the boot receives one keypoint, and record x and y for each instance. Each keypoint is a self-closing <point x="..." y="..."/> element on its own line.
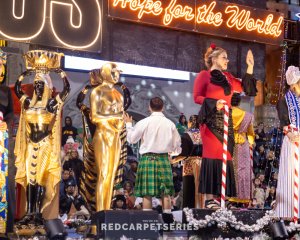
<point x="31" y="205"/>
<point x="188" y="192"/>
<point x="38" y="219"/>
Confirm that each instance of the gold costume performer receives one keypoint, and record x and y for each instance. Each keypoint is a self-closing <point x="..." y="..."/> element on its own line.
<point x="38" y="138"/>
<point x="105" y="156"/>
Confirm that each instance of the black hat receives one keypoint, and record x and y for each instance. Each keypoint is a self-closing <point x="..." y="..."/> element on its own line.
<point x="70" y="182"/>
<point x="132" y="159"/>
<point x="119" y="197"/>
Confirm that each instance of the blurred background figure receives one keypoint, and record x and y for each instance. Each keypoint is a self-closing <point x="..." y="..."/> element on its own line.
<point x="190" y="156"/>
<point x="68" y="130"/>
<point x="182" y="124"/>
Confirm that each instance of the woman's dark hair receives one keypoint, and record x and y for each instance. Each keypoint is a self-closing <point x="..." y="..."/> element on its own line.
<point x="119" y="197"/>
<point x="156" y="104"/>
<point x="236" y="99"/>
<point x="181" y="117"/>
<point x="194" y="119"/>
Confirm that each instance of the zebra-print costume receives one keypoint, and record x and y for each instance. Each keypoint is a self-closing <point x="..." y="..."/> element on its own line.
<point x="89" y="177"/>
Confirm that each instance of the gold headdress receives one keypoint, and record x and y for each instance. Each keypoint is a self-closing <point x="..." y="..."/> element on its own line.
<point x="42" y="60"/>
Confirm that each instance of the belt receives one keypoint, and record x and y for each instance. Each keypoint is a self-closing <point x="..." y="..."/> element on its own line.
<point x="155" y="154"/>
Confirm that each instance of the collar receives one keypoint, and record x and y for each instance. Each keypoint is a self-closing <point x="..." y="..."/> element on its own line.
<point x="157" y="114"/>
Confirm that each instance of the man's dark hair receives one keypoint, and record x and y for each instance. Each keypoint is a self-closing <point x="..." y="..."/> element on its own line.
<point x="156" y="104"/>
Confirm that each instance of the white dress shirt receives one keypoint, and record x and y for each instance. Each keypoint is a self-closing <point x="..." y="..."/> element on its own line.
<point x="157" y="134"/>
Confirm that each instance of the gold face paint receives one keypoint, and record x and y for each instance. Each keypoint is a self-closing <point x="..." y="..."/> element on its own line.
<point x="2" y="71"/>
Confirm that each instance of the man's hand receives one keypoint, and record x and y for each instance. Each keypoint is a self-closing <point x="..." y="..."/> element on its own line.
<point x="127" y="118"/>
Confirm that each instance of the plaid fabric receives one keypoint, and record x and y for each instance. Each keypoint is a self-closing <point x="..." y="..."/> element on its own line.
<point x="154" y="176"/>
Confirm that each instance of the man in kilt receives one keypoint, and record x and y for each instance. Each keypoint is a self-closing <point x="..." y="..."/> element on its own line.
<point x="159" y="138"/>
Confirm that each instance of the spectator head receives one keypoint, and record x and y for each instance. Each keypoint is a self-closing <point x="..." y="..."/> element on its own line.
<point x="70" y="145"/>
<point x="65" y="174"/>
<point x="128" y="186"/>
<point x="134" y="166"/>
<point x="131" y="159"/>
<point x="193" y="121"/>
<point x="70" y="186"/>
<point x="275" y="176"/>
<point x="182" y="119"/>
<point x="74" y="154"/>
<point x="156" y="104"/>
<point x="68" y="121"/>
<point x="271" y="155"/>
<point x="261" y="148"/>
<point x="272" y="190"/>
<point x="261" y="176"/>
<point x="257" y="182"/>
<point x="119" y="202"/>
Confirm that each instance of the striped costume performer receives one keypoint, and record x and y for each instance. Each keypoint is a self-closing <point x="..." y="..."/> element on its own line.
<point x="289" y="115"/>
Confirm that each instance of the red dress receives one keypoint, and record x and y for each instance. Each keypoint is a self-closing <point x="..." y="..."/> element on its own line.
<point x="207" y="92"/>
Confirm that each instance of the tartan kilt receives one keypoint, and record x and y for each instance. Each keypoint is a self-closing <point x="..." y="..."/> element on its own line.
<point x="154" y="176"/>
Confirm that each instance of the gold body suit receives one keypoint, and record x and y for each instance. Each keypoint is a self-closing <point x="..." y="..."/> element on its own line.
<point x="107" y="114"/>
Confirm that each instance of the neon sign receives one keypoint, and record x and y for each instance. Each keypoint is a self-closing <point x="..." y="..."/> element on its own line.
<point x="74" y="24"/>
<point x="208" y="17"/>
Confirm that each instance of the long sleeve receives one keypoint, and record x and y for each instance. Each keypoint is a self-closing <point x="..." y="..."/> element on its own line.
<point x="249" y="85"/>
<point x="200" y="86"/>
<point x="134" y="134"/>
<point x="283" y="113"/>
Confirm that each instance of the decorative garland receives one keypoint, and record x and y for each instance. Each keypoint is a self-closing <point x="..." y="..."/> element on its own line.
<point x="224" y="217"/>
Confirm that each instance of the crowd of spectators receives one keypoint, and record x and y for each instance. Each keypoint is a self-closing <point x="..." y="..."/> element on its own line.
<point x="266" y="163"/>
<point x="265" y="168"/>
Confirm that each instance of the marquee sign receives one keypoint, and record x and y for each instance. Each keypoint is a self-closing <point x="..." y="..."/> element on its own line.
<point x="204" y="16"/>
<point x="59" y="23"/>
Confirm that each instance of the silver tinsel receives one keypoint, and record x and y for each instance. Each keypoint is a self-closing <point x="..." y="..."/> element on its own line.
<point x="224" y="217"/>
<point x="292" y="227"/>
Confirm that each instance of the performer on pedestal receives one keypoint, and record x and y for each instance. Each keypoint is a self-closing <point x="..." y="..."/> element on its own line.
<point x="7" y="166"/>
<point x="159" y="137"/>
<point x="38" y="141"/>
<point x="243" y="138"/>
<point x="212" y="89"/>
<point x="105" y="156"/>
<point x="288" y="109"/>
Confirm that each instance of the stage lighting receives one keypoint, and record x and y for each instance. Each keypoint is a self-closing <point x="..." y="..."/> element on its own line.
<point x="87" y="64"/>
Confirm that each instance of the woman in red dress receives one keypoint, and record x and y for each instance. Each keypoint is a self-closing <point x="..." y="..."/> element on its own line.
<point x="212" y="89"/>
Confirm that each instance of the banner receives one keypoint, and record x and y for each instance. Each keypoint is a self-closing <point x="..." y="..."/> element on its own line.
<point x="208" y="17"/>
